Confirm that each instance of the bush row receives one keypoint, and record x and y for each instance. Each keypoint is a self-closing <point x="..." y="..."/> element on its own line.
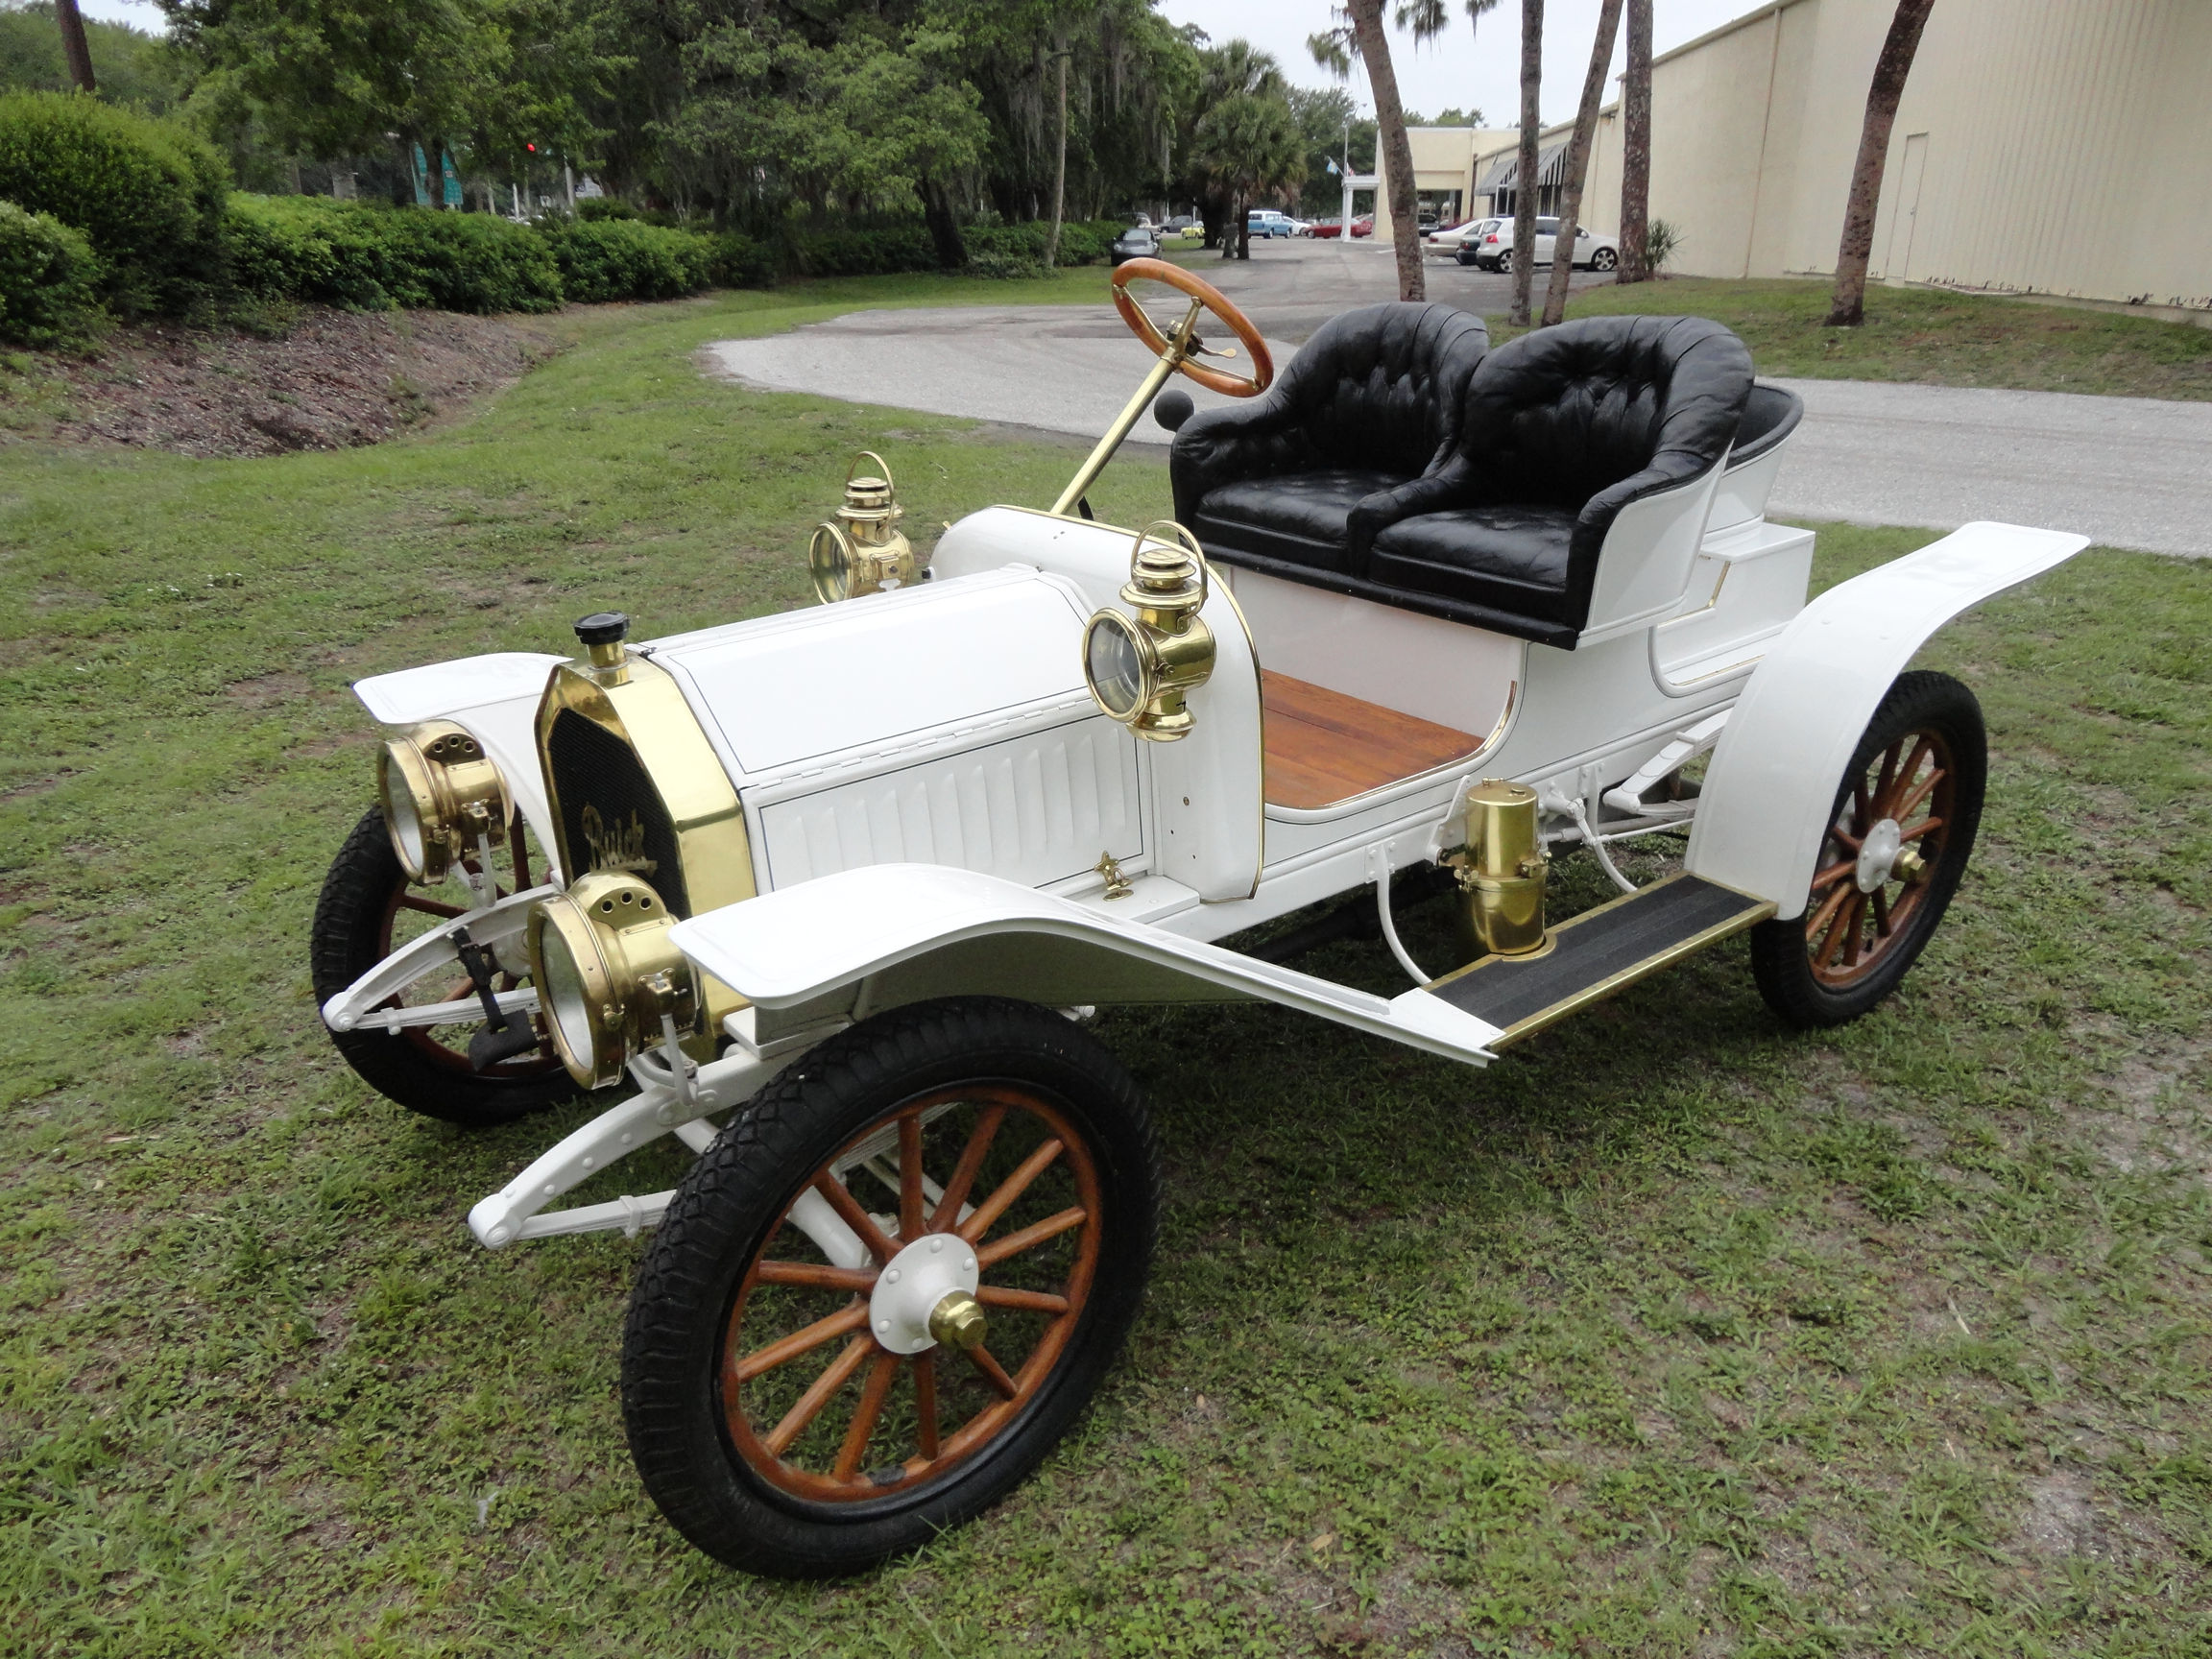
<point x="886" y="250"/>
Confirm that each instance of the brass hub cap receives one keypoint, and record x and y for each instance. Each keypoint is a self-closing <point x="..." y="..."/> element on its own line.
<point x="1872" y="872"/>
<point x="841" y="1383"/>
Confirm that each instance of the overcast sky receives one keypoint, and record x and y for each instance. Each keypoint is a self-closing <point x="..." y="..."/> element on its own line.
<point x="1461" y="69"/>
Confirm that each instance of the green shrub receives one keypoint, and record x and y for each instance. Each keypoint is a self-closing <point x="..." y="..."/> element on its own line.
<point x="597" y="207"/>
<point x="1080" y="243"/>
<point x="626" y="259"/>
<point x="466" y="261"/>
<point x="1004" y="267"/>
<point x="741" y="262"/>
<point x="308" y="248"/>
<point x="49" y="279"/>
<point x="147" y="197"/>
<point x="863" y="252"/>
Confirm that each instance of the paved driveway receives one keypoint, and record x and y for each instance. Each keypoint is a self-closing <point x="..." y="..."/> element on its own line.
<point x="2130" y="472"/>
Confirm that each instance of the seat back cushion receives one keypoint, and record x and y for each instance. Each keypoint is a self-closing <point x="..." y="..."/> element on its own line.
<point x="1380" y="390"/>
<point x="1562" y="413"/>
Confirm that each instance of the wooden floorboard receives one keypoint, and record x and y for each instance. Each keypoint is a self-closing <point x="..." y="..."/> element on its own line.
<point x="1323" y="747"/>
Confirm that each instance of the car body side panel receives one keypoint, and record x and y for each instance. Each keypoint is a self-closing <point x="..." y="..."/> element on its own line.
<point x="1771" y="786"/>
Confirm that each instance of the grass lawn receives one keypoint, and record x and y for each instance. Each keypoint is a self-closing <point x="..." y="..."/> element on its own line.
<point x="1927" y="335"/>
<point x="1673" y="1332"/>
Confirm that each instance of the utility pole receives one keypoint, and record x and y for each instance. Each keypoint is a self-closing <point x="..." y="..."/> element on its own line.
<point x="73" y="47"/>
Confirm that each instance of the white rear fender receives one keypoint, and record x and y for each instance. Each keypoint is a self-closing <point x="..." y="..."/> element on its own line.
<point x="1766" y="803"/>
<point x="844" y="946"/>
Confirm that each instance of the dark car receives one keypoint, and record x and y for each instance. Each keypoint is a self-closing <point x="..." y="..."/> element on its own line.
<point x="1180" y="223"/>
<point x="1138" y="242"/>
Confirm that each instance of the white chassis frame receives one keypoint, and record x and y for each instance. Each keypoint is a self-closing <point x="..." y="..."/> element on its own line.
<point x="1701" y="642"/>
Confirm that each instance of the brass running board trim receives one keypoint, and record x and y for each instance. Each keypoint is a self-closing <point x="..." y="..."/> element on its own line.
<point x="1597" y="954"/>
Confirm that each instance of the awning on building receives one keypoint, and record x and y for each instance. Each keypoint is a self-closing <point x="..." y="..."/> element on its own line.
<point x="1550" y="169"/>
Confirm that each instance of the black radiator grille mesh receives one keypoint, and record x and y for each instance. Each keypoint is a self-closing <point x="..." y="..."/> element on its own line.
<point x="611" y="815"/>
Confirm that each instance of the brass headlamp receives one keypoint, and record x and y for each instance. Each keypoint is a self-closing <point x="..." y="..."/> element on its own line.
<point x="1140" y="668"/>
<point x="861" y="550"/>
<point x="607" y="975"/>
<point x="441" y="795"/>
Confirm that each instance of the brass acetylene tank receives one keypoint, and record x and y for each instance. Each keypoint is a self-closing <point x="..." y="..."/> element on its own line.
<point x="862" y="550"/>
<point x="1501" y="872"/>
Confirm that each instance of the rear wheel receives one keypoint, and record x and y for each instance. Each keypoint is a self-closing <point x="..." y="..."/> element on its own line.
<point x="367" y="910"/>
<point x="1604" y="259"/>
<point x="1505" y="265"/>
<point x="1898" y="840"/>
<point x="882" y="1296"/>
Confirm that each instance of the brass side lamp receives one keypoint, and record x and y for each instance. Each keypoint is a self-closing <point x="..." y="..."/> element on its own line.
<point x="608" y="973"/>
<point x="1501" y="872"/>
<point x="1140" y="669"/>
<point x="441" y="795"/>
<point x="861" y="550"/>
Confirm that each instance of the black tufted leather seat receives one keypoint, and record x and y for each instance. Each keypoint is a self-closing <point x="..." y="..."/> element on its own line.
<point x="1564" y="427"/>
<point x="1371" y="401"/>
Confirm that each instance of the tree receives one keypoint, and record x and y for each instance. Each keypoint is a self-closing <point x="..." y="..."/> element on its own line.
<point x="1234" y="70"/>
<point x="1327" y="126"/>
<point x="1525" y="173"/>
<point x="1578" y="162"/>
<point x="1636" y="147"/>
<point x="1249" y="143"/>
<point x="73" y="46"/>
<point x="1060" y="167"/>
<point x="1332" y="49"/>
<point x="1848" y="307"/>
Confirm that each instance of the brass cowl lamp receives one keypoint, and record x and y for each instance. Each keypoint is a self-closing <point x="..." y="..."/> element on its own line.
<point x="862" y="550"/>
<point x="1141" y="669"/>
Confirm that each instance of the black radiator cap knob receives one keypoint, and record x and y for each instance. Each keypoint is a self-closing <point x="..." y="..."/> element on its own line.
<point x="1172" y="407"/>
<point x="603" y="628"/>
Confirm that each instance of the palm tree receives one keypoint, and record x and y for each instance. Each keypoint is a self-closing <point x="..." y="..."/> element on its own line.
<point x="1578" y="162"/>
<point x="1332" y="49"/>
<point x="1524" y="172"/>
<point x="1234" y="68"/>
<point x="1848" y="309"/>
<point x="1247" y="143"/>
<point x="1636" y="146"/>
<point x="1060" y="168"/>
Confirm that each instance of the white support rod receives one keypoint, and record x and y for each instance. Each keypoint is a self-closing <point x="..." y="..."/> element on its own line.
<point x="467" y="1011"/>
<point x="489" y="927"/>
<point x="1378" y="866"/>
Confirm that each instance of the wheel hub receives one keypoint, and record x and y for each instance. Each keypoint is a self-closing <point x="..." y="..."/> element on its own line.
<point x="916" y="1285"/>
<point x="1878" y="855"/>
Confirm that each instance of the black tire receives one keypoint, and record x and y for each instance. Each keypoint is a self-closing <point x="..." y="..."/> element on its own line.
<point x="1817" y="973"/>
<point x="696" y="1285"/>
<point x="1604" y="259"/>
<point x="352" y="933"/>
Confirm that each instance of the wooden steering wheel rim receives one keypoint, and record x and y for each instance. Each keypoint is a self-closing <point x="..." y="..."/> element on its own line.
<point x="1214" y="300"/>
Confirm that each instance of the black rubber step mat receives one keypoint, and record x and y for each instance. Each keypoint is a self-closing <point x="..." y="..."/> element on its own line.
<point x="1598" y="953"/>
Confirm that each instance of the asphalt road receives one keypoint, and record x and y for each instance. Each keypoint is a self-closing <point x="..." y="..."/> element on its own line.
<point x="2127" y="472"/>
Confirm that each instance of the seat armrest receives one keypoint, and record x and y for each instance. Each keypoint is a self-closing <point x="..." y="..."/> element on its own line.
<point x="1451" y="485"/>
<point x="1218" y="447"/>
<point x="1667" y="472"/>
<point x="1634" y="542"/>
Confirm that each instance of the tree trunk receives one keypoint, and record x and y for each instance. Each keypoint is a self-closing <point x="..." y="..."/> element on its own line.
<point x="943" y="226"/>
<point x="1060" y="173"/>
<point x="1636" y="147"/>
<point x="1396" y="148"/>
<point x="74" y="51"/>
<point x="1847" y="309"/>
<point x="1578" y="162"/>
<point x="1524" y="172"/>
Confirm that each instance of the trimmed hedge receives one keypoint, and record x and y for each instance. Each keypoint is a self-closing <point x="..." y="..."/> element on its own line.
<point x="370" y="257"/>
<point x="606" y="259"/>
<point x="997" y="249"/>
<point x="49" y="279"/>
<point x="306" y="247"/>
<point x="147" y="197"/>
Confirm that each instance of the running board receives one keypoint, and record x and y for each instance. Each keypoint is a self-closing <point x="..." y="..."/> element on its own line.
<point x="1588" y="957"/>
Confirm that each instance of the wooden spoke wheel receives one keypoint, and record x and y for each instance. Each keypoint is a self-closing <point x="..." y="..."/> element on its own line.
<point x="881" y="1297"/>
<point x="367" y="910"/>
<point x="1898" y="840"/>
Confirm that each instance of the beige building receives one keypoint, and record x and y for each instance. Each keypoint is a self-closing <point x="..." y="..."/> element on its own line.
<point x="2043" y="146"/>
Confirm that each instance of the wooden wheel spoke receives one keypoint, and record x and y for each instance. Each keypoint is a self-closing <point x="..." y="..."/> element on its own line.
<point x="1862" y="808"/>
<point x="1829" y="906"/>
<point x="816" y="1275"/>
<point x="1854" y="929"/>
<point x="1881" y="913"/>
<point x="994" y="1373"/>
<point x="963" y="1173"/>
<point x="1012" y="1188"/>
<point x="809" y="1404"/>
<point x="1844" y="839"/>
<point x="1028" y="1238"/>
<point x="872" y="1393"/>
<point x="1922" y="749"/>
<point x="926" y="1403"/>
<point x="429" y="906"/>
<point x="1919" y="792"/>
<point x="910" y="1175"/>
<point x="1920" y="828"/>
<point x="1835" y="873"/>
<point x="789" y="1348"/>
<point x="854" y="1216"/>
<point x="1030" y="1301"/>
<point x="1888" y="775"/>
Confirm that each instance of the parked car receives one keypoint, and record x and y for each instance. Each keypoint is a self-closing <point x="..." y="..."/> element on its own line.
<point x="1138" y="242"/>
<point x="1493" y="250"/>
<point x="1452" y="238"/>
<point x="1267" y="222"/>
<point x="1363" y="226"/>
<point x="827" y="897"/>
<point x="1326" y="227"/>
<point x="1178" y="225"/>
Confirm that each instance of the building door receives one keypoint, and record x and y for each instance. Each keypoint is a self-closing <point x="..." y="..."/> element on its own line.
<point x="1897" y="261"/>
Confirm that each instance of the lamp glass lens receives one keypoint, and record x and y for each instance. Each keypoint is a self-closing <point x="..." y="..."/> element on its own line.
<point x="403" y="820"/>
<point x="565" y="996"/>
<point x="1112" y="665"/>
<point x="829" y="567"/>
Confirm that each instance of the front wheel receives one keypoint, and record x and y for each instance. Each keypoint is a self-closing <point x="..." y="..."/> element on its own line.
<point x="1604" y="259"/>
<point x="882" y="1296"/>
<point x="1898" y="840"/>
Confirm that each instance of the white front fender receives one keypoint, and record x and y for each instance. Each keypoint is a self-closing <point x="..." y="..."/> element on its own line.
<point x="1767" y="798"/>
<point x="873" y="938"/>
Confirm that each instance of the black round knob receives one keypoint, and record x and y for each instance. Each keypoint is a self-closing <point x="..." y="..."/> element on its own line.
<point x="603" y="628"/>
<point x="1172" y="407"/>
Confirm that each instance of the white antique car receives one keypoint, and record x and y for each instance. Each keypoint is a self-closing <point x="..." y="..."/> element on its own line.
<point x="830" y="895"/>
